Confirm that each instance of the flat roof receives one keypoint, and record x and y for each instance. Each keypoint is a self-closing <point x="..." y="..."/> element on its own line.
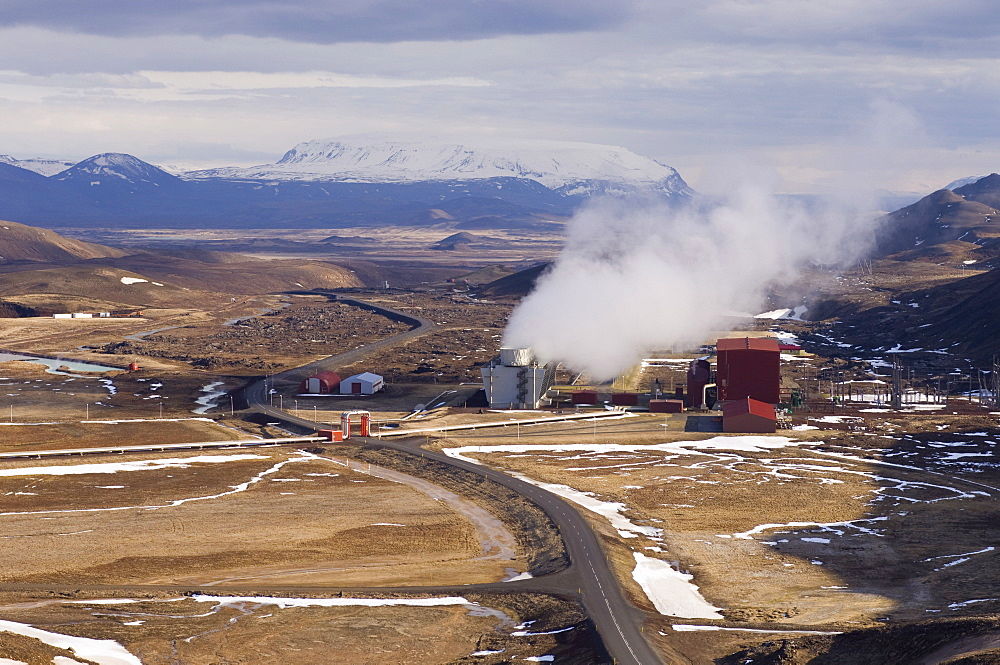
<point x="748" y="343"/>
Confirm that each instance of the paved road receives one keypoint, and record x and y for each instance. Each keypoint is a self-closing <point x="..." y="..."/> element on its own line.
<point x="421" y="327"/>
<point x="589" y="573"/>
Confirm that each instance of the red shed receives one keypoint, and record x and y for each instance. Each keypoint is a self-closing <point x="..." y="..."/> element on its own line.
<point x="748" y="416"/>
<point x="666" y="406"/>
<point x="319" y="384"/>
<point x="624" y="399"/>
<point x="748" y="367"/>
<point x="584" y="397"/>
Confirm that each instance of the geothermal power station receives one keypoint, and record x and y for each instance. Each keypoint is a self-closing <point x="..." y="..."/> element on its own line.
<point x="744" y="382"/>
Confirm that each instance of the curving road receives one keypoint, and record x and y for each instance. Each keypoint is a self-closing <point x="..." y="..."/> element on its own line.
<point x="589" y="574"/>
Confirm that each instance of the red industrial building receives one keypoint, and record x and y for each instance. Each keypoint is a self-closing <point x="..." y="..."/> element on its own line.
<point x="624" y="399"/>
<point x="748" y="416"/>
<point x="320" y="384"/>
<point x="666" y="406"/>
<point x="748" y="367"/>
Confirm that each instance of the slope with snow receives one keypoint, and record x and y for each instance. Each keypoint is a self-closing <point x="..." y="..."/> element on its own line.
<point x="962" y="182"/>
<point x="112" y="167"/>
<point x="44" y="167"/>
<point x="577" y="168"/>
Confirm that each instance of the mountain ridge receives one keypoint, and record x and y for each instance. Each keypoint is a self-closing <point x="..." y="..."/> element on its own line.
<point x="402" y="181"/>
<point x="369" y="158"/>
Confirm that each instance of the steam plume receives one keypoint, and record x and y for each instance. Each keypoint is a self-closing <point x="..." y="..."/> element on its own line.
<point x="634" y="277"/>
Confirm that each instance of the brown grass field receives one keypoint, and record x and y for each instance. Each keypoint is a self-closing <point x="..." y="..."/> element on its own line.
<point x="872" y="543"/>
<point x="884" y="534"/>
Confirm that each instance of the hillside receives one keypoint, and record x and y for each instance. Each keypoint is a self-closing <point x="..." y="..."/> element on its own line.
<point x="43" y="269"/>
<point x="945" y="225"/>
<point x="460" y="241"/>
<point x="19" y="242"/>
<point x="964" y="317"/>
<point x="984" y="190"/>
<point x="240" y="275"/>
<point x="514" y="286"/>
<point x="26" y="196"/>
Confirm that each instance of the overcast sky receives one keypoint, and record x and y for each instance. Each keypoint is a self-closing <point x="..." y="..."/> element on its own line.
<point x="900" y="94"/>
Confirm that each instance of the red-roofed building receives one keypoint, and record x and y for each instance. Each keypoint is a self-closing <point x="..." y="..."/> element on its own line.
<point x="748" y="367"/>
<point x="320" y="384"/>
<point x="748" y="416"/>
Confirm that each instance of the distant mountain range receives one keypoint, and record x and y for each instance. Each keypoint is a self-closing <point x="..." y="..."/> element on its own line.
<point x="568" y="168"/>
<point x="348" y="182"/>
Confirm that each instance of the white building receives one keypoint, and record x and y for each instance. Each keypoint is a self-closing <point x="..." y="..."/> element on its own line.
<point x="365" y="383"/>
<point x="514" y="380"/>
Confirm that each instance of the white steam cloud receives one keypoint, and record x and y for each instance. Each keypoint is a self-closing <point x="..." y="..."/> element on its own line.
<point x="636" y="277"/>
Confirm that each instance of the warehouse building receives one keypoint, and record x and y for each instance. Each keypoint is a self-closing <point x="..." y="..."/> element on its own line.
<point x="365" y="383"/>
<point x="322" y="383"/>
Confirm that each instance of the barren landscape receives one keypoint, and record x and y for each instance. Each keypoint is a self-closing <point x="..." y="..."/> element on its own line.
<point x="861" y="522"/>
<point x="499" y="333"/>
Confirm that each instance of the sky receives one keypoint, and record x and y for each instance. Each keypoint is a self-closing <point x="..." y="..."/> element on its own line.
<point x="897" y="94"/>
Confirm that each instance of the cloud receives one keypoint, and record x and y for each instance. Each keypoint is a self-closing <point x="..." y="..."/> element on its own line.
<point x="910" y="25"/>
<point x="214" y="82"/>
<point x="81" y="80"/>
<point x="682" y="82"/>
<point x="319" y="21"/>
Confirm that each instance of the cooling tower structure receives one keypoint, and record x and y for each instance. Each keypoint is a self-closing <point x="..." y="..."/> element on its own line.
<point x="515" y="380"/>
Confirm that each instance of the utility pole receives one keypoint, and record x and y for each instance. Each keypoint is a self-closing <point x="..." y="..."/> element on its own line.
<point x="897" y="383"/>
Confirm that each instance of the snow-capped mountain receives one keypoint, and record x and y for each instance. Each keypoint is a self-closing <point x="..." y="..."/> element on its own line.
<point x="44" y="167"/>
<point x="570" y="168"/>
<point x="356" y="182"/>
<point x="117" y="168"/>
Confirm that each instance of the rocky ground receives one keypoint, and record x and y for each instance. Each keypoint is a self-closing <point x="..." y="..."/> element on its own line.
<point x="306" y="328"/>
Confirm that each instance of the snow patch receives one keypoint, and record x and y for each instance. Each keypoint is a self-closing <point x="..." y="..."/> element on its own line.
<point x="115" y="467"/>
<point x="207" y="400"/>
<point x="671" y="591"/>
<point x="103" y="652"/>
<point x="284" y="603"/>
<point x="681" y="627"/>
